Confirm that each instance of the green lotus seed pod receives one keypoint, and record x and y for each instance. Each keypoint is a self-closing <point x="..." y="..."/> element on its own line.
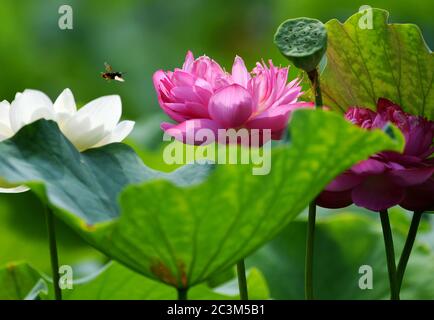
<point x="303" y="41"/>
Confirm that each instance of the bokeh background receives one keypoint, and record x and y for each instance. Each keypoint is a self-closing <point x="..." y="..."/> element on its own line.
<point x="140" y="37"/>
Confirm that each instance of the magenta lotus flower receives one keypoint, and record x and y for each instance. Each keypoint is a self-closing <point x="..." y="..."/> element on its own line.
<point x="388" y="178"/>
<point x="203" y="95"/>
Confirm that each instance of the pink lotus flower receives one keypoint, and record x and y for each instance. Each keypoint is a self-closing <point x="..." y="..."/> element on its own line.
<point x="388" y="178"/>
<point x="203" y="95"/>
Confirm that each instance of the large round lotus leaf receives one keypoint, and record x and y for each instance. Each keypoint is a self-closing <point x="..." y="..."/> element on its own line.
<point x="389" y="60"/>
<point x="185" y="226"/>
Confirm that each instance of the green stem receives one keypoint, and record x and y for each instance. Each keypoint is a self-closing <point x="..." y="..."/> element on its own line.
<point x="390" y="254"/>
<point x="242" y="281"/>
<point x="314" y="81"/>
<point x="308" y="281"/>
<point x="53" y="252"/>
<point x="402" y="265"/>
<point x="182" y="293"/>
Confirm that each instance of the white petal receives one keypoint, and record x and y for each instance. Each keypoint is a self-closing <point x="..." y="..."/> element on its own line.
<point x="28" y="107"/>
<point x="122" y="130"/>
<point x="4" y="112"/>
<point x="18" y="189"/>
<point x="104" y="111"/>
<point x="5" y="124"/>
<point x="88" y="139"/>
<point x="5" y="132"/>
<point x="65" y="104"/>
<point x="73" y="127"/>
<point x="80" y="133"/>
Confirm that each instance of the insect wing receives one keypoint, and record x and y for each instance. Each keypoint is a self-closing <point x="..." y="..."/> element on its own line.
<point x="108" y="67"/>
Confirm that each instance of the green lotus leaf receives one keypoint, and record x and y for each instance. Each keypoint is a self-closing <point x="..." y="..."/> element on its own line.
<point x="388" y="60"/>
<point x="181" y="228"/>
<point x="23" y="236"/>
<point x="19" y="281"/>
<point x="86" y="184"/>
<point x="344" y="242"/>
<point x="115" y="282"/>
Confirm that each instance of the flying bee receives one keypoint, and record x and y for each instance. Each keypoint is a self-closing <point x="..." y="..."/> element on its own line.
<point x="109" y="74"/>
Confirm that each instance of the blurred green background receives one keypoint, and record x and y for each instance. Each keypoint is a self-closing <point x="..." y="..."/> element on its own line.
<point x="139" y="37"/>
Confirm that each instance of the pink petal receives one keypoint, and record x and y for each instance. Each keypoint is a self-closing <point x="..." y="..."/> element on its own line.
<point x="178" y="117"/>
<point x="402" y="159"/>
<point x="188" y="131"/>
<point x="368" y="167"/>
<point x="419" y="138"/>
<point x="275" y="118"/>
<point x="281" y="80"/>
<point x="177" y="107"/>
<point x="203" y="93"/>
<point x="383" y="104"/>
<point x="196" y="110"/>
<point x="183" y="94"/>
<point x="345" y="181"/>
<point x="288" y="97"/>
<point x="156" y="79"/>
<point x="166" y="125"/>
<point x="215" y="70"/>
<point x="182" y="78"/>
<point x="204" y="68"/>
<point x="240" y="75"/>
<point x="277" y="134"/>
<point x="300" y="105"/>
<point x="362" y="117"/>
<point x="189" y="109"/>
<point x="420" y="197"/>
<point x="188" y="64"/>
<point x="377" y="193"/>
<point x="203" y="84"/>
<point x="231" y="106"/>
<point x="334" y="200"/>
<point x="412" y="176"/>
<point x="394" y="166"/>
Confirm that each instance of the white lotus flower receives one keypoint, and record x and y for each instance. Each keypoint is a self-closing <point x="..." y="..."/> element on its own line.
<point x="94" y="125"/>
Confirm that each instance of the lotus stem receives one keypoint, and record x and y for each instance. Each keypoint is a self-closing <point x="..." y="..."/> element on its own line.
<point x="242" y="281"/>
<point x="53" y="252"/>
<point x="314" y="80"/>
<point x="390" y="255"/>
<point x="403" y="260"/>
<point x="308" y="281"/>
<point x="182" y="293"/>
